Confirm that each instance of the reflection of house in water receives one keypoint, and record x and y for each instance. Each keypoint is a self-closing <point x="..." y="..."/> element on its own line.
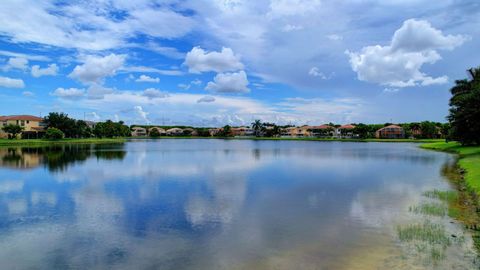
<point x="18" y="159"/>
<point x="57" y="158"/>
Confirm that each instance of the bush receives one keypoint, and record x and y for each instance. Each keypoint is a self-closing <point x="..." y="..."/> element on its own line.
<point x="54" y="134"/>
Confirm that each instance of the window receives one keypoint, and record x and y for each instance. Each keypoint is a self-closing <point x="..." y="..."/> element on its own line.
<point x="23" y="123"/>
<point x="28" y="121"/>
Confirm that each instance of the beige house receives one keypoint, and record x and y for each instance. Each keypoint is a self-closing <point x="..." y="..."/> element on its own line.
<point x="174" y="132"/>
<point x="139" y="132"/>
<point x="32" y="125"/>
<point x="160" y="130"/>
<point x="242" y="131"/>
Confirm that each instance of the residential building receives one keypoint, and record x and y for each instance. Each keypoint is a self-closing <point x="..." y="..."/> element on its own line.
<point x="346" y="131"/>
<point x="139" y="132"/>
<point x="32" y="125"/>
<point x="390" y="132"/>
<point x="242" y="131"/>
<point x="160" y="130"/>
<point x="174" y="132"/>
<point x="214" y="131"/>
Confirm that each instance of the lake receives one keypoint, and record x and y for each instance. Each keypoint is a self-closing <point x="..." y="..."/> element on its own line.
<point x="228" y="204"/>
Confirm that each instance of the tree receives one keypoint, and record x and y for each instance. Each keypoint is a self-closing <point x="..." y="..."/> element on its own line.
<point x="54" y="134"/>
<point x="464" y="114"/>
<point x="13" y="130"/>
<point x="361" y="130"/>
<point x="154" y="133"/>
<point x="62" y="122"/>
<point x="429" y="129"/>
<point x="257" y="126"/>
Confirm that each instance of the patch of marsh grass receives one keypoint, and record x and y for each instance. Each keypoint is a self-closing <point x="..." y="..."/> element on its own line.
<point x="449" y="196"/>
<point x="431" y="209"/>
<point x="431" y="233"/>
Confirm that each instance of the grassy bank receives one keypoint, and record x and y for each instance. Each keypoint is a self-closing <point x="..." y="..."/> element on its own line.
<point x="300" y="139"/>
<point x="41" y="142"/>
<point x="468" y="160"/>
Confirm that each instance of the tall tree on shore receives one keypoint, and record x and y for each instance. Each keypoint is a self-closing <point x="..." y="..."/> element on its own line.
<point x="13" y="130"/>
<point x="464" y="114"/>
<point x="257" y="126"/>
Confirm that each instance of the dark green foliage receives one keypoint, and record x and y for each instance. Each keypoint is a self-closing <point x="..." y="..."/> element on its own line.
<point x="464" y="114"/>
<point x="257" y="126"/>
<point x="110" y="129"/>
<point x="13" y="130"/>
<point x="225" y="132"/>
<point x="54" y="134"/>
<point x="362" y="130"/>
<point x="154" y="133"/>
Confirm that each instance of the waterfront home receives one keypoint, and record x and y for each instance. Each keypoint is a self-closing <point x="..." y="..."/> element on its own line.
<point x="190" y="132"/>
<point x="32" y="125"/>
<point x="174" y="132"/>
<point x="139" y="132"/>
<point x="242" y="131"/>
<point x="214" y="131"/>
<point x="321" y="131"/>
<point x="160" y="130"/>
<point x="390" y="132"/>
<point x="346" y="131"/>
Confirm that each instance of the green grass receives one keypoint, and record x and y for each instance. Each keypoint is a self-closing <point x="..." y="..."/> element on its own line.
<point x="449" y="196"/>
<point x="40" y="142"/>
<point x="431" y="209"/>
<point x="469" y="160"/>
<point x="431" y="233"/>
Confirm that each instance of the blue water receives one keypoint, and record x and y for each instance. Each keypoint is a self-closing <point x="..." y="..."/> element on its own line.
<point x="212" y="204"/>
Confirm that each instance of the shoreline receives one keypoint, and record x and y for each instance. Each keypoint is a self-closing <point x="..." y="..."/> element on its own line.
<point x="42" y="142"/>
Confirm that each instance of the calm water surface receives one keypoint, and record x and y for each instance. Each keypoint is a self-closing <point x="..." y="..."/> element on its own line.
<point x="215" y="204"/>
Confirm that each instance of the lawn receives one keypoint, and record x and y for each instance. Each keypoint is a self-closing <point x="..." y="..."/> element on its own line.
<point x="40" y="142"/>
<point x="469" y="160"/>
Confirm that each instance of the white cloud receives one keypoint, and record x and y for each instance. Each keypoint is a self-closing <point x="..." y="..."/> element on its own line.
<point x="398" y="64"/>
<point x="68" y="93"/>
<point x="196" y="82"/>
<point x="199" y="60"/>
<point x="23" y="55"/>
<point x="390" y="90"/>
<point x="146" y="78"/>
<point x="154" y="93"/>
<point x="289" y="28"/>
<point x="168" y="72"/>
<point x="282" y="8"/>
<point x="234" y="82"/>
<point x="11" y="83"/>
<point x="51" y="70"/>
<point x="17" y="63"/>
<point x="185" y="86"/>
<point x="94" y="68"/>
<point x="315" y="72"/>
<point x="334" y="37"/>
<point x="141" y="113"/>
<point x="206" y="99"/>
<point x="28" y="94"/>
<point x="96" y="91"/>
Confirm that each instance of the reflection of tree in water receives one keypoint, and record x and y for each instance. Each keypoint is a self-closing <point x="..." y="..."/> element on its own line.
<point x="58" y="157"/>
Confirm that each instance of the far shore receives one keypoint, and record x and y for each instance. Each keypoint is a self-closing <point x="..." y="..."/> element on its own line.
<point x="41" y="142"/>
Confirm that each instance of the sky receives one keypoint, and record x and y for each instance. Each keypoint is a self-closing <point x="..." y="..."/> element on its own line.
<point x="218" y="62"/>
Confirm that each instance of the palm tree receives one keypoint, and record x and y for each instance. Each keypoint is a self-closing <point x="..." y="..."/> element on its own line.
<point x="257" y="127"/>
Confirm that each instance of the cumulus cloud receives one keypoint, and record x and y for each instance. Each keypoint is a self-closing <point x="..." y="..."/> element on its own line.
<point x="94" y="68"/>
<point x="206" y="99"/>
<point x="154" y="93"/>
<point x="398" y="65"/>
<point x="17" y="63"/>
<point x="199" y="60"/>
<point x="51" y="70"/>
<point x="11" y="83"/>
<point x="230" y="82"/>
<point x="141" y="113"/>
<point x="146" y="78"/>
<point x="68" y="93"/>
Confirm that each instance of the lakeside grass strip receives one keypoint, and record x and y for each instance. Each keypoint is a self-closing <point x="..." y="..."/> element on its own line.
<point x="468" y="160"/>
<point x="41" y="142"/>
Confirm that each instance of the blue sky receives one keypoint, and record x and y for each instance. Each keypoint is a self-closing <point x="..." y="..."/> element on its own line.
<point x="211" y="63"/>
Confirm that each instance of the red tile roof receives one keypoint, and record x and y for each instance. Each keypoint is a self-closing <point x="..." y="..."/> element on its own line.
<point x="347" y="126"/>
<point x="21" y="117"/>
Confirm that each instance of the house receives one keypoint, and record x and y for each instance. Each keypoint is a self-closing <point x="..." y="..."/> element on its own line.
<point x="214" y="131"/>
<point x="174" y="132"/>
<point x="346" y="131"/>
<point x="139" y="132"/>
<point x="190" y="132"/>
<point x="160" y="130"/>
<point x="390" y="132"/>
<point x="242" y="131"/>
<point x="321" y="131"/>
<point x="32" y="125"/>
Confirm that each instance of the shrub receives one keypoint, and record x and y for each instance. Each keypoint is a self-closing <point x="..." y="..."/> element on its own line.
<point x="54" y="134"/>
